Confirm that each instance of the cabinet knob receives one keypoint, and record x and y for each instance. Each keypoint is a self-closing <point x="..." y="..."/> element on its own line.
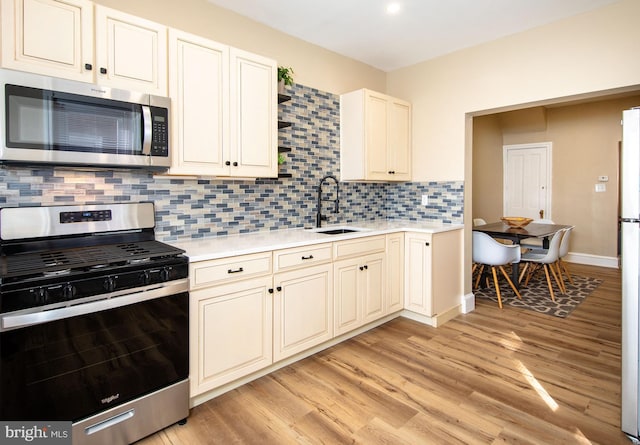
<point x="279" y="288"/>
<point x="361" y="268"/>
<point x="235" y="164"/>
<point x="88" y="66"/>
<point x="227" y="163"/>
<point x="103" y="71"/>
<point x="426" y="244"/>
<point x="271" y="290"/>
<point x="366" y="267"/>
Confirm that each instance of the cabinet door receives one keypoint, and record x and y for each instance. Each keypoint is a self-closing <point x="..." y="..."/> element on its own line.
<point x="418" y="273"/>
<point x="131" y="52"/>
<point x="49" y="37"/>
<point x="254" y="115"/>
<point x="399" y="140"/>
<point x="372" y="290"/>
<point x="347" y="304"/>
<point x="395" y="272"/>
<point x="231" y="332"/>
<point x="302" y="310"/>
<point x="376" y="136"/>
<point x="199" y="89"/>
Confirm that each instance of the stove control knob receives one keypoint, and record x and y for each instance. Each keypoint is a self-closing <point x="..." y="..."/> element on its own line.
<point x="110" y="283"/>
<point x="165" y="273"/>
<point x="41" y="295"/>
<point x="68" y="291"/>
<point x="145" y="277"/>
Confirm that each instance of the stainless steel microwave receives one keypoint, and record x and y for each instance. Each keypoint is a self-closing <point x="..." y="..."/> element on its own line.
<point x="46" y="120"/>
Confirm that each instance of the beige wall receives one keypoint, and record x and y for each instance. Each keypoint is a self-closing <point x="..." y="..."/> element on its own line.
<point x="313" y="66"/>
<point x="585" y="140"/>
<point x="588" y="53"/>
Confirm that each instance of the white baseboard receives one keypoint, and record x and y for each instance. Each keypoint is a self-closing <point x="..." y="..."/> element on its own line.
<point x="592" y="260"/>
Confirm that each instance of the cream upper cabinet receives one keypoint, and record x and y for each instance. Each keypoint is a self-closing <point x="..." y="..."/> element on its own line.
<point x="224" y="109"/>
<point x="375" y="137"/>
<point x="199" y="88"/>
<point x="61" y="39"/>
<point x="253" y="115"/>
<point x="49" y="37"/>
<point x="131" y="52"/>
<point x="433" y="272"/>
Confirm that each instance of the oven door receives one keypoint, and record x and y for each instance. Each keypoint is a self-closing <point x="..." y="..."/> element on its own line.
<point x="71" y="368"/>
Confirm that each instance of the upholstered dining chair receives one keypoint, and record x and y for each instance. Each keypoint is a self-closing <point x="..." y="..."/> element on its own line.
<point x="489" y="252"/>
<point x="548" y="259"/>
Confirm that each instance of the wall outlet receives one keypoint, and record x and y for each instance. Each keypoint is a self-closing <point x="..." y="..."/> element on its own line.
<point x="601" y="188"/>
<point x="425" y="200"/>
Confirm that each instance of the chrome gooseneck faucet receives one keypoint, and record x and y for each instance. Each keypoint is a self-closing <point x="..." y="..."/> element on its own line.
<point x="336" y="202"/>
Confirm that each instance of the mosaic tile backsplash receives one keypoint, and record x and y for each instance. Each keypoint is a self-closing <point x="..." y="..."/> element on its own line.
<point x="190" y="208"/>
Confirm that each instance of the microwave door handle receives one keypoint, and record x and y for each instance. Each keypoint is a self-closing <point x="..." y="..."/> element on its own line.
<point x="147" y="133"/>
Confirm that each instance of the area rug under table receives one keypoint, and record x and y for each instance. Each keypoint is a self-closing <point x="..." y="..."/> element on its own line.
<point x="535" y="296"/>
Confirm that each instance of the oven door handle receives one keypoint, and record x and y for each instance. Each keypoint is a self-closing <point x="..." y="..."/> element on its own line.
<point x="9" y="322"/>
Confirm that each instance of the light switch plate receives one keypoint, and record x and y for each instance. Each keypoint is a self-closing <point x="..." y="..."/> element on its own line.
<point x="425" y="200"/>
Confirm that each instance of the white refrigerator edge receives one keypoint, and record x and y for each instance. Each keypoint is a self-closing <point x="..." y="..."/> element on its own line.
<point x="630" y="224"/>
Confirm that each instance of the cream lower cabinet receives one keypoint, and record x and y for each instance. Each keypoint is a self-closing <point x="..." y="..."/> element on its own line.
<point x="302" y="299"/>
<point x="395" y="272"/>
<point x="231" y="314"/>
<point x="231" y="332"/>
<point x="62" y="39"/>
<point x="302" y="310"/>
<point x="359" y="283"/>
<point x="433" y="272"/>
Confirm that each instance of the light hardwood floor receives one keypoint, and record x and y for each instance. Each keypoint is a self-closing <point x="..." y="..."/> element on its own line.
<point x="489" y="377"/>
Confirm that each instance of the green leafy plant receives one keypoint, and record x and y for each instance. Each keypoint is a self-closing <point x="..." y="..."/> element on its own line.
<point x="281" y="159"/>
<point x="285" y="74"/>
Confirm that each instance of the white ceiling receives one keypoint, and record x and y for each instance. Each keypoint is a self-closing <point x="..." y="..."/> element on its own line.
<point x="422" y="30"/>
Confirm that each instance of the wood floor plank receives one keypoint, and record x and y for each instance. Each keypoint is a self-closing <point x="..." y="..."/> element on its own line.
<point x="492" y="376"/>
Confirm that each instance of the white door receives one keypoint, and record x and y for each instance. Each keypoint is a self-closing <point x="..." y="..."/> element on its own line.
<point x="527" y="180"/>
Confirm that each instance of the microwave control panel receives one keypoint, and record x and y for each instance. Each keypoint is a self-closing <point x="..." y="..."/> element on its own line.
<point x="160" y="131"/>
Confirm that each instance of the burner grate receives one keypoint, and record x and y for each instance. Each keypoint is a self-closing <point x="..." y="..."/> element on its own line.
<point x="83" y="257"/>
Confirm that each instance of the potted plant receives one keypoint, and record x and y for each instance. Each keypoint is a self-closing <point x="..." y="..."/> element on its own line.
<point x="285" y="77"/>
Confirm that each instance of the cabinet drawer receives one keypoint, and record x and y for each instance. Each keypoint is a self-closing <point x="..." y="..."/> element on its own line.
<point x="301" y="257"/>
<point x="214" y="272"/>
<point x="360" y="246"/>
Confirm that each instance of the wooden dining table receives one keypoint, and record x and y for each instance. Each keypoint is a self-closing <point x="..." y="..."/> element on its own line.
<point x="531" y="230"/>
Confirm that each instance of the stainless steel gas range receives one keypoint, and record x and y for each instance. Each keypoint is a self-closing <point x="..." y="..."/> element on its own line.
<point x="94" y="321"/>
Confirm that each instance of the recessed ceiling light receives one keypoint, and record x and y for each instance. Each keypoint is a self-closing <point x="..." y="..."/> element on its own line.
<point x="393" y="8"/>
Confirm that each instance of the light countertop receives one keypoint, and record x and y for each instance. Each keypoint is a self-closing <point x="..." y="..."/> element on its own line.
<point x="256" y="242"/>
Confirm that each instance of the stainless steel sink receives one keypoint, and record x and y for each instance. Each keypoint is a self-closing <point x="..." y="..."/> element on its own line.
<point x="336" y="231"/>
<point x="339" y="230"/>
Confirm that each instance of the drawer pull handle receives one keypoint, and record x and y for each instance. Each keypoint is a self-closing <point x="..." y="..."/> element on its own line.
<point x="310" y="257"/>
<point x="240" y="269"/>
